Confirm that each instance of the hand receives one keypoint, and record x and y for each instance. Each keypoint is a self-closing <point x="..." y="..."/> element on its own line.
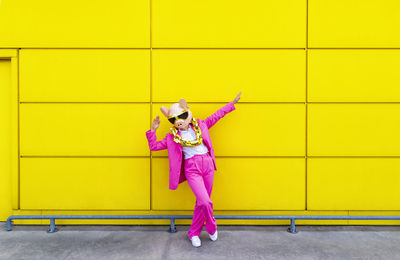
<point x="156" y="123"/>
<point x="237" y="98"/>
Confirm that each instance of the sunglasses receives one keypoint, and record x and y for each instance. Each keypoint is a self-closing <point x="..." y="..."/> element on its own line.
<point x="183" y="115"/>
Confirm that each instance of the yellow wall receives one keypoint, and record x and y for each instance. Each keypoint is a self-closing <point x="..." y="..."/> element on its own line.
<point x="314" y="133"/>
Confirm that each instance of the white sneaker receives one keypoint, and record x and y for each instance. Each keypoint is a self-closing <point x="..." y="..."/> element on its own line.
<point x="215" y="236"/>
<point x="196" y="241"/>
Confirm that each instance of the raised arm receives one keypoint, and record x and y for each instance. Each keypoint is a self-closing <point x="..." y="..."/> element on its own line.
<point x="155" y="145"/>
<point x="211" y="120"/>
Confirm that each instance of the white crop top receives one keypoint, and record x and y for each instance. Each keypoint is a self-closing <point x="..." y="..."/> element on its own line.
<point x="190" y="135"/>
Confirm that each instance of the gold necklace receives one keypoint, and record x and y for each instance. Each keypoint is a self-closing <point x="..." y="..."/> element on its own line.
<point x="178" y="139"/>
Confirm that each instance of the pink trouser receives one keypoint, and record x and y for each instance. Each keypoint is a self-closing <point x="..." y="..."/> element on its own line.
<point x="199" y="172"/>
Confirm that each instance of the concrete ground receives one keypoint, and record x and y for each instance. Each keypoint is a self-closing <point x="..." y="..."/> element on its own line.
<point x="234" y="242"/>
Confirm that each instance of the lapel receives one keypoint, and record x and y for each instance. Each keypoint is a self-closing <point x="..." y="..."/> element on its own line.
<point x="205" y="140"/>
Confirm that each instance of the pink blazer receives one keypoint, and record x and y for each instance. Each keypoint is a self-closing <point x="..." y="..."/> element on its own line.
<point x="175" y="153"/>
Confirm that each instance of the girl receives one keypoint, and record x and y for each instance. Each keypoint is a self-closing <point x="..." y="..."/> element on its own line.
<point x="190" y="139"/>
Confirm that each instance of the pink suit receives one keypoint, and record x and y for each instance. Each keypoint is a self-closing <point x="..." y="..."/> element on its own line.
<point x="197" y="170"/>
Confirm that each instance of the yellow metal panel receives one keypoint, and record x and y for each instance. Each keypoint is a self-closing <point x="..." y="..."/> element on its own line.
<point x="9" y="153"/>
<point x="209" y="75"/>
<point x="266" y="185"/>
<point x="260" y="184"/>
<point x="353" y="75"/>
<point x="353" y="23"/>
<point x="85" y="183"/>
<point x="84" y="129"/>
<point x="353" y="129"/>
<point x="74" y="23"/>
<point x="14" y="110"/>
<point x="280" y="129"/>
<point x="353" y="183"/>
<point x="254" y="23"/>
<point x="6" y="141"/>
<point x="85" y="75"/>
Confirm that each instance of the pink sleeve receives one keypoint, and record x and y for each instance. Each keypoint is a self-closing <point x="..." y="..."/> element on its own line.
<point x="155" y="145"/>
<point x="220" y="113"/>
